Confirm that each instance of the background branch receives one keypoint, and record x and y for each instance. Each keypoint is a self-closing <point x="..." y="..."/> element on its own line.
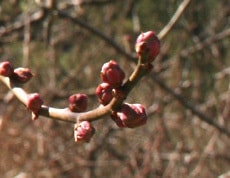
<point x="181" y="9"/>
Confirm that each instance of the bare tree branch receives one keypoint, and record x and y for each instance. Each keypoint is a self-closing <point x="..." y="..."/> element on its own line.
<point x="190" y="106"/>
<point x="174" y="19"/>
<point x="92" y="115"/>
<point x="201" y="45"/>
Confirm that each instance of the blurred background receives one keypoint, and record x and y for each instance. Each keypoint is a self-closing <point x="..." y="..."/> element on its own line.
<point x="65" y="43"/>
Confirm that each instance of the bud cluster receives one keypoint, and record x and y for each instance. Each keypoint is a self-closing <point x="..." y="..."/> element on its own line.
<point x="125" y="115"/>
<point x="19" y="75"/>
<point x="112" y="77"/>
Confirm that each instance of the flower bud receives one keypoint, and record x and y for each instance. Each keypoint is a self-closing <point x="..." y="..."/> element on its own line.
<point x="147" y="46"/>
<point x="21" y="75"/>
<point x="83" y="131"/>
<point x="112" y="73"/>
<point x="130" y="115"/>
<point x="104" y="93"/>
<point x="34" y="102"/>
<point x="78" y="102"/>
<point x="6" y="69"/>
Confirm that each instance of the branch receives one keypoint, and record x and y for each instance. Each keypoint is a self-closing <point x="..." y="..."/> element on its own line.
<point x="201" y="45"/>
<point x="190" y="106"/>
<point x="174" y="19"/>
<point x="69" y="116"/>
<point x="96" y="32"/>
<point x="162" y="34"/>
<point x="36" y="16"/>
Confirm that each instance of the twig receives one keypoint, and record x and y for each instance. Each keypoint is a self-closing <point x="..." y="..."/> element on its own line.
<point x="92" y="115"/>
<point x="190" y="106"/>
<point x="174" y="19"/>
<point x="203" y="117"/>
<point x="201" y="45"/>
<point x="93" y="30"/>
<point x="36" y="16"/>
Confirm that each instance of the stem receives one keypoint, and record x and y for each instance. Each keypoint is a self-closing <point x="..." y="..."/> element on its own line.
<point x="92" y="115"/>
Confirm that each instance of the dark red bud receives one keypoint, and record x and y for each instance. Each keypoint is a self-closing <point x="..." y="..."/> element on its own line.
<point x="130" y="115"/>
<point x="83" y="131"/>
<point x="34" y="102"/>
<point x="112" y="73"/>
<point x="78" y="102"/>
<point x="21" y="75"/>
<point x="148" y="45"/>
<point x="6" y="69"/>
<point x="104" y="93"/>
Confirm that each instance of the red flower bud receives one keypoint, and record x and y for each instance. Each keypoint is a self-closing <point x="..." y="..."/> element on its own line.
<point x="34" y="102"/>
<point x="21" y="75"/>
<point x="148" y="44"/>
<point x="78" y="102"/>
<point x="130" y="115"/>
<point x="6" y="69"/>
<point x="83" y="131"/>
<point x="112" y="73"/>
<point x="104" y="93"/>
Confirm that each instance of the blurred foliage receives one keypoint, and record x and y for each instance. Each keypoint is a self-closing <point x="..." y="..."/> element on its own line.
<point x="66" y="59"/>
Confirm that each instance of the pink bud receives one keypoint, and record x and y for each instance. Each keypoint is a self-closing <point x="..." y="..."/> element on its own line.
<point x="21" y="75"/>
<point x="83" y="131"/>
<point x="148" y="44"/>
<point x="117" y="119"/>
<point x="6" y="69"/>
<point x="78" y="102"/>
<point x="34" y="102"/>
<point x="130" y="115"/>
<point x="112" y="73"/>
<point x="104" y="93"/>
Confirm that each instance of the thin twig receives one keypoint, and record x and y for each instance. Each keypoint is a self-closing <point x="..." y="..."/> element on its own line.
<point x="92" y="115"/>
<point x="174" y="19"/>
<point x="190" y="106"/>
<point x="203" y="117"/>
<point x="95" y="31"/>
<point x="36" y="16"/>
<point x="201" y="45"/>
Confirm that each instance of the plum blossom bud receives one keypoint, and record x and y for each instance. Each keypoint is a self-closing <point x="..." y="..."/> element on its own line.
<point x="112" y="73"/>
<point x="147" y="46"/>
<point x="83" y="131"/>
<point x="6" y="69"/>
<point x="104" y="93"/>
<point x="21" y="75"/>
<point x="34" y="102"/>
<point x="130" y="115"/>
<point x="78" y="102"/>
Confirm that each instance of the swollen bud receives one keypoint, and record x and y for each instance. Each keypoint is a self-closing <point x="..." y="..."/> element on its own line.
<point x="21" y="75"/>
<point x="147" y="46"/>
<point x="104" y="93"/>
<point x="78" y="102"/>
<point x="6" y="69"/>
<point x="130" y="115"/>
<point x="34" y="103"/>
<point x="112" y="73"/>
<point x="83" y="131"/>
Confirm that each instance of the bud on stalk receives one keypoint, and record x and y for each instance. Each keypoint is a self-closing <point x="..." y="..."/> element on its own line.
<point x="104" y="93"/>
<point x="6" y="69"/>
<point x="147" y="46"/>
<point x="78" y="102"/>
<point x="130" y="115"/>
<point x="83" y="131"/>
<point x="112" y="73"/>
